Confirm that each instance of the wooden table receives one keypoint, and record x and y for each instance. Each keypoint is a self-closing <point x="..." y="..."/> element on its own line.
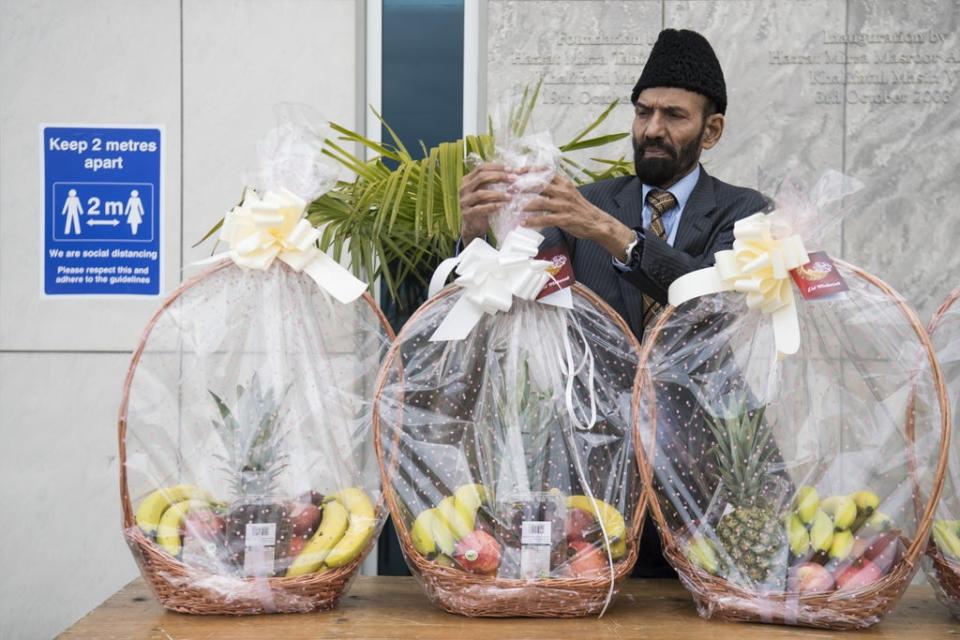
<point x="389" y="607"/>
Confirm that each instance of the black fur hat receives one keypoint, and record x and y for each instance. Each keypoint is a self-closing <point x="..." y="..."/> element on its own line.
<point x="684" y="59"/>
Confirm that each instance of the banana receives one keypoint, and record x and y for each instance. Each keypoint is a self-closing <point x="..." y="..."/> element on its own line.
<point x="422" y="533"/>
<point x="151" y="509"/>
<point x="446" y="561"/>
<point x="821" y="532"/>
<point x="879" y="522"/>
<point x="700" y="552"/>
<point x="867" y="502"/>
<point x="842" y="509"/>
<point x="442" y="536"/>
<point x="618" y="549"/>
<point x="362" y="523"/>
<point x="456" y="522"/>
<point x="467" y="498"/>
<point x="806" y="503"/>
<point x="332" y="527"/>
<point x="798" y="536"/>
<point x="945" y="535"/>
<point x="613" y="522"/>
<point x="842" y="545"/>
<point x="168" y="531"/>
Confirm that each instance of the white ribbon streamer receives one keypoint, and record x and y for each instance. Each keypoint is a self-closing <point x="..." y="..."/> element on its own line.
<point x="491" y="279"/>
<point x="759" y="265"/>
<point x="261" y="230"/>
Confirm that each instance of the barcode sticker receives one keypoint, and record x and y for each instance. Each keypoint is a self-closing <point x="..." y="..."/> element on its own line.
<point x="536" y="532"/>
<point x="261" y="534"/>
<point x="258" y="556"/>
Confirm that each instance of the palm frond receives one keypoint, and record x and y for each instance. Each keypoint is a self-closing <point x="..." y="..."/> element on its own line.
<point x="398" y="221"/>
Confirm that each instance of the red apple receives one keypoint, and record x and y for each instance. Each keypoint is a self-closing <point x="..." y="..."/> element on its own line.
<point x="858" y="575"/>
<point x="204" y="524"/>
<point x="587" y="560"/>
<point x="579" y="525"/>
<point x="296" y="546"/>
<point x="884" y="551"/>
<point x="809" y="577"/>
<point x="304" y="517"/>
<point x="478" y="552"/>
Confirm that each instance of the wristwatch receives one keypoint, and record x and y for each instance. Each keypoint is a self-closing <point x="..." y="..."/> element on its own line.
<point x="633" y="256"/>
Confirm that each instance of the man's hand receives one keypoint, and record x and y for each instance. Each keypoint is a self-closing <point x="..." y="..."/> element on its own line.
<point x="565" y="207"/>
<point x="478" y="202"/>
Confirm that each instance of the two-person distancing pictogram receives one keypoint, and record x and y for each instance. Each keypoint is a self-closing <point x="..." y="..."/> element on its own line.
<point x="73" y="209"/>
<point x="97" y="211"/>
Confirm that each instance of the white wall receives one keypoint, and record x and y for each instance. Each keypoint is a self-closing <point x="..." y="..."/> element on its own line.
<point x="214" y="70"/>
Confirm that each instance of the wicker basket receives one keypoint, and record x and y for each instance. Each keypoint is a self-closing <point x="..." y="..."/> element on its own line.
<point x="945" y="571"/>
<point x="496" y="597"/>
<point x="180" y="587"/>
<point x="852" y="609"/>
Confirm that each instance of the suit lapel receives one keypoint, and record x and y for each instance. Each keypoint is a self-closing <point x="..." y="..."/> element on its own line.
<point x="694" y="222"/>
<point x="629" y="210"/>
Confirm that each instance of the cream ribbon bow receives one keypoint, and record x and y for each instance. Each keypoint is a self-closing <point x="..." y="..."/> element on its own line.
<point x="491" y="278"/>
<point x="261" y="230"/>
<point x="759" y="265"/>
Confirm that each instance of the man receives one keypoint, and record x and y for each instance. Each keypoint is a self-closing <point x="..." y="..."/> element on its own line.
<point x="629" y="238"/>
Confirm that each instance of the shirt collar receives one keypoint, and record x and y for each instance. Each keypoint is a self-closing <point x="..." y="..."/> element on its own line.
<point x="681" y="190"/>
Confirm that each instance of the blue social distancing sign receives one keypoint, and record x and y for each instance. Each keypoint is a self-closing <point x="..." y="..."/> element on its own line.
<point x="102" y="210"/>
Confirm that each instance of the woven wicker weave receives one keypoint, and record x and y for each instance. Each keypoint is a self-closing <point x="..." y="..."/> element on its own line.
<point x="470" y="594"/>
<point x="182" y="588"/>
<point x="852" y="609"/>
<point x="947" y="571"/>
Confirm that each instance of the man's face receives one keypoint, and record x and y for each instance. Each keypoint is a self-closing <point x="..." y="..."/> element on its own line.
<point x="668" y="133"/>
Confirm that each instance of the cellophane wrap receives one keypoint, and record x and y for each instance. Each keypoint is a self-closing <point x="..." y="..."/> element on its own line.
<point x="532" y="158"/>
<point x="942" y="561"/>
<point x="250" y="481"/>
<point x="507" y="456"/>
<point x="783" y="483"/>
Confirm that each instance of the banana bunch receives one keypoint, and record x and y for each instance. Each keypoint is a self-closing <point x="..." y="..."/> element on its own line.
<point x="701" y="552"/>
<point x="827" y="526"/>
<point x="946" y="534"/>
<point x="436" y="531"/>
<point x="162" y="513"/>
<point x="348" y="522"/>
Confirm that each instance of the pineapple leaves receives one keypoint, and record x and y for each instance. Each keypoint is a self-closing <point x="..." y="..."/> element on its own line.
<point x="251" y="434"/>
<point x="742" y="447"/>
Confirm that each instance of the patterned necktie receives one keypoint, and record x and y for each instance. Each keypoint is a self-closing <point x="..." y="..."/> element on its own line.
<point x="660" y="202"/>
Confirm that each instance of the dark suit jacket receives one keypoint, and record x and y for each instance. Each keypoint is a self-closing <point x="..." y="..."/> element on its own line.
<point x="706" y="226"/>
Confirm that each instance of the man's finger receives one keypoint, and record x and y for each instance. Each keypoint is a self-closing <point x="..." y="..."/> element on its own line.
<point x="485" y="209"/>
<point x="548" y="220"/>
<point x="545" y="204"/>
<point x="473" y="179"/>
<point x="555" y="191"/>
<point x="486" y="166"/>
<point x="483" y="196"/>
<point x="491" y="175"/>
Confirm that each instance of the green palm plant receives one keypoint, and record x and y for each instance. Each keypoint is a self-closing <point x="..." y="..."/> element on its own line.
<point x="401" y="214"/>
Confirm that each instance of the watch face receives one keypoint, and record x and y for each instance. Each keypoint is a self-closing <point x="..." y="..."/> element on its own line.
<point x="633" y="259"/>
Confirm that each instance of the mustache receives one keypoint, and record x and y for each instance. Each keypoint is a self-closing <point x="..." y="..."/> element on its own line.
<point x="641" y="147"/>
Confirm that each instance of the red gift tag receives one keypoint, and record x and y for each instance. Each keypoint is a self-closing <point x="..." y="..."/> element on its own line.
<point x="819" y="278"/>
<point x="561" y="271"/>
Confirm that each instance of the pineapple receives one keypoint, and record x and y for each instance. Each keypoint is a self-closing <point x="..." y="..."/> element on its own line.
<point x="750" y="531"/>
<point x="255" y="458"/>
